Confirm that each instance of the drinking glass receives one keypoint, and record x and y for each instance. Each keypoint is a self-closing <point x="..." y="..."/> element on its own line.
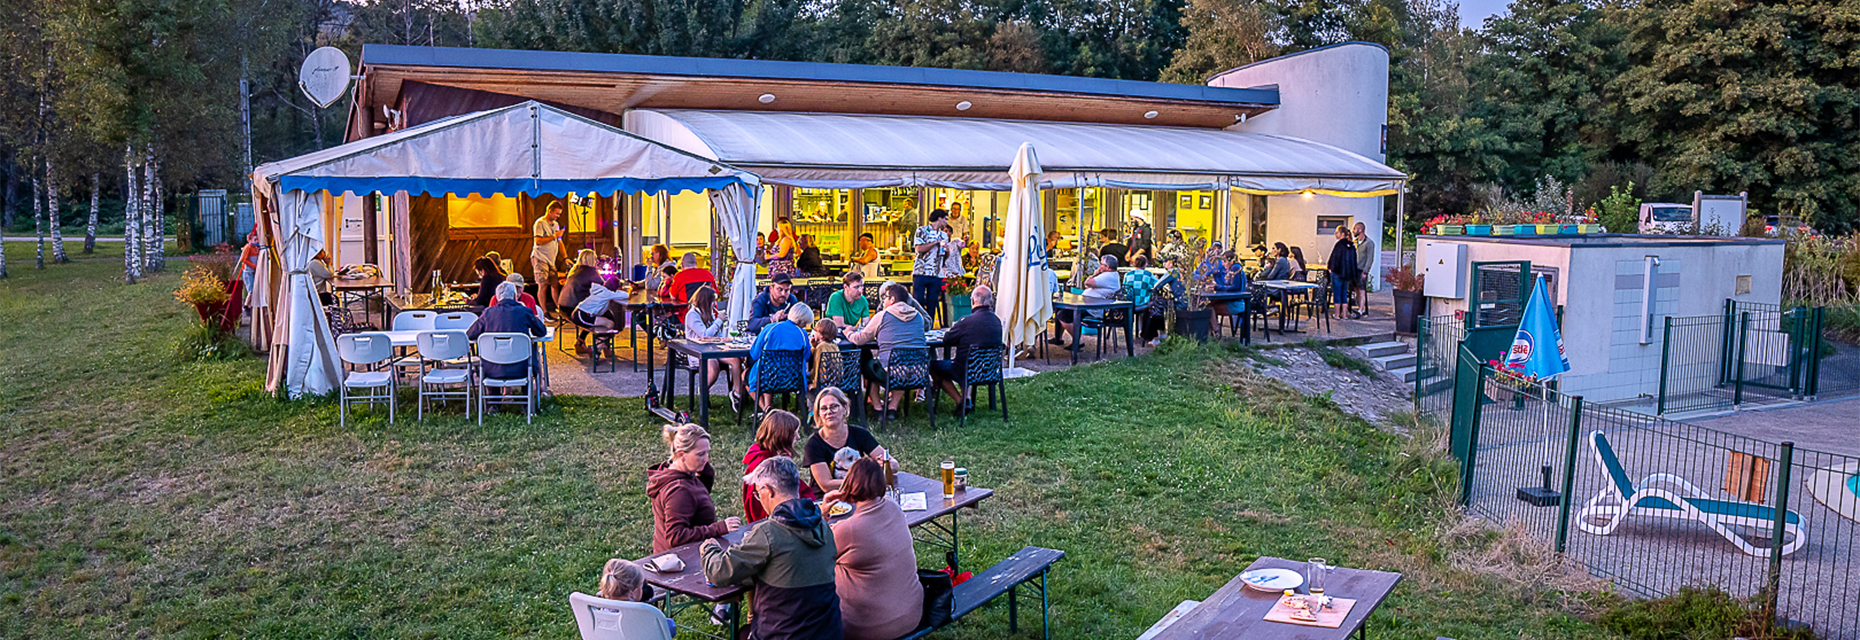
<point x="1314" y="575"/>
<point x="949" y="479"/>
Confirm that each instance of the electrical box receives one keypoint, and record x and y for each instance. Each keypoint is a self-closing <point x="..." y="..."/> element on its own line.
<point x="1445" y="268"/>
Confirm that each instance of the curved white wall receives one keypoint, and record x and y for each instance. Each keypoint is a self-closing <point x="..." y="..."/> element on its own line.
<point x="1337" y="95"/>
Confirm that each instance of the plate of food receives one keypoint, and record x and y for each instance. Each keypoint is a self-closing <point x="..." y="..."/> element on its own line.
<point x="1272" y="579"/>
<point x="836" y="508"/>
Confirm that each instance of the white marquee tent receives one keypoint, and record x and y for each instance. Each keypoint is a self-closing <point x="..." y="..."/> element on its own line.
<point x="528" y="148"/>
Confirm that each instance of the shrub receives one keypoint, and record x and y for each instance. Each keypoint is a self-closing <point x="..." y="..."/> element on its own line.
<point x="1696" y="613"/>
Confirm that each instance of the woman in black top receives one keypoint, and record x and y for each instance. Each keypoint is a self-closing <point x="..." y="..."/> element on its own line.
<point x="831" y="409"/>
<point x="489" y="276"/>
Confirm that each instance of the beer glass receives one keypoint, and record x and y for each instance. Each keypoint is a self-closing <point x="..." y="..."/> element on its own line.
<point x="1314" y="575"/>
<point x="949" y="479"/>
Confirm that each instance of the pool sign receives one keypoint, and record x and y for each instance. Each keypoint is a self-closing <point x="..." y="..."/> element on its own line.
<point x="324" y="76"/>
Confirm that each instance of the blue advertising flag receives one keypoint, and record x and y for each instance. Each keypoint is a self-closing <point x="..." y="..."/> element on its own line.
<point x="1531" y="351"/>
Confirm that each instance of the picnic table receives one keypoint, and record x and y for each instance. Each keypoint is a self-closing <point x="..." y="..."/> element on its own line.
<point x="691" y="585"/>
<point x="1230" y="297"/>
<point x="1283" y="289"/>
<point x="424" y="302"/>
<point x="363" y="289"/>
<point x="1080" y="304"/>
<point x="1236" y="611"/>
<point x="705" y="351"/>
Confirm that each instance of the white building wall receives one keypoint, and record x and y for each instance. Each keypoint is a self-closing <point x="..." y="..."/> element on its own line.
<point x="1337" y="95"/>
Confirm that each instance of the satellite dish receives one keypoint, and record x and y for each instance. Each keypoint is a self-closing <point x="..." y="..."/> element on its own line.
<point x="324" y="76"/>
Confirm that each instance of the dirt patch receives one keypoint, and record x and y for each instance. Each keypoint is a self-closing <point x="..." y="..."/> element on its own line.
<point x="1376" y="398"/>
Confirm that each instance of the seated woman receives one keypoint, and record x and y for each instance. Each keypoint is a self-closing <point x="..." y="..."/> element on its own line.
<point x="899" y="326"/>
<point x="875" y="571"/>
<point x="624" y="581"/>
<point x="774" y="437"/>
<point x="831" y="408"/>
<point x="679" y="490"/>
<point x="489" y="276"/>
<point x="702" y="320"/>
<point x="1299" y="271"/>
<point x="1281" y="261"/>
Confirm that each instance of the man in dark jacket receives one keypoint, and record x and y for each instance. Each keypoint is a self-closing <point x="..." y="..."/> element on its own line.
<point x="981" y="328"/>
<point x="1112" y="247"/>
<point x="1342" y="267"/>
<point x="507" y="316"/>
<point x="772" y="304"/>
<point x="789" y="557"/>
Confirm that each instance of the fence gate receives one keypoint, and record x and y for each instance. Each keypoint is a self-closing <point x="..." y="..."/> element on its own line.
<point x="212" y="211"/>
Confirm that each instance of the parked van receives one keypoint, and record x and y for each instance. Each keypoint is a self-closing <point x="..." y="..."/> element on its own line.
<point x="1665" y="218"/>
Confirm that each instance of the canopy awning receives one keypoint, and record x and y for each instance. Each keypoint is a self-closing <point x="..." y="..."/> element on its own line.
<point x="528" y="148"/>
<point x="863" y="151"/>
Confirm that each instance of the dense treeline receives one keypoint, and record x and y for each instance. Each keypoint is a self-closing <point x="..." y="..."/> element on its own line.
<point x="1654" y="97"/>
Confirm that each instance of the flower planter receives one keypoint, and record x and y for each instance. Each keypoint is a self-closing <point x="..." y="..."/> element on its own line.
<point x="1194" y="324"/>
<point x="1502" y="229"/>
<point x="1478" y="229"/>
<point x="1449" y="230"/>
<point x="1567" y="229"/>
<point x="1549" y="229"/>
<point x="959" y="306"/>
<point x="225" y="315"/>
<point x="1524" y="230"/>
<point x="1409" y="307"/>
<point x="1588" y="228"/>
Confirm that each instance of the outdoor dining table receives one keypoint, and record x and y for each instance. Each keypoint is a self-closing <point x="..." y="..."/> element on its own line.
<point x="925" y="526"/>
<point x="704" y="351"/>
<point x="1229" y="297"/>
<point x="1236" y="611"/>
<point x="411" y="338"/>
<point x="363" y="289"/>
<point x="1080" y="304"/>
<point x="1282" y="289"/>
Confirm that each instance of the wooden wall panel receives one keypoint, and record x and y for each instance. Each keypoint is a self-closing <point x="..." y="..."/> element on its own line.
<point x="436" y="246"/>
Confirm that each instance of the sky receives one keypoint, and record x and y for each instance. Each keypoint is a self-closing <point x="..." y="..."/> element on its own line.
<point x="1474" y="12"/>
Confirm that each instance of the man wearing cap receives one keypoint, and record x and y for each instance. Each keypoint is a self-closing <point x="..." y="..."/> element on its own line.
<point x="772" y="304"/>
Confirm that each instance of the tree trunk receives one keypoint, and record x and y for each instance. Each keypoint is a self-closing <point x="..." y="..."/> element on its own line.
<point x="38" y="221"/>
<point x="151" y="225"/>
<point x="12" y="187"/>
<point x="51" y="213"/>
<point x="132" y="219"/>
<point x="158" y="228"/>
<point x="90" y="227"/>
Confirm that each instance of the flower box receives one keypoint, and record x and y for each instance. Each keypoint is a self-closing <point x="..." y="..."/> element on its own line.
<point x="1523" y="229"/>
<point x="1567" y="229"/>
<point x="1588" y="228"/>
<point x="1478" y="229"/>
<point x="1548" y="229"/>
<point x="1502" y="229"/>
<point x="1449" y="230"/>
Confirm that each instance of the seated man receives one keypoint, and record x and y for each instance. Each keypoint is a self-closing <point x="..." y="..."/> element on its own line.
<point x="789" y="557"/>
<point x="772" y="304"/>
<point x="789" y="335"/>
<point x="689" y="278"/>
<point x="900" y="325"/>
<point x="981" y="328"/>
<point x="507" y="315"/>
<point x="1112" y="247"/>
<point x="1102" y="285"/>
<point x="849" y="305"/>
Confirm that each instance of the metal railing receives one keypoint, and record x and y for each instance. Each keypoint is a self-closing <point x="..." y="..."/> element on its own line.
<point x="1438" y="338"/>
<point x="1655" y="505"/>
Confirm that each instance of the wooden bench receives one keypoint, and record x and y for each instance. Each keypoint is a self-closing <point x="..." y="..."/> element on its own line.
<point x="1005" y="577"/>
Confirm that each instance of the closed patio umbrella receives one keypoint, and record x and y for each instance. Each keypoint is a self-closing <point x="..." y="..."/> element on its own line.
<point x="1024" y="302"/>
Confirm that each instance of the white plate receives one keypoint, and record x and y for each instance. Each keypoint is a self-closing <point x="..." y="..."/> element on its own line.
<point x="1272" y="579"/>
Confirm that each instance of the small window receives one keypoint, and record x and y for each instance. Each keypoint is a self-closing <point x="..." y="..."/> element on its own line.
<point x="1743" y="285"/>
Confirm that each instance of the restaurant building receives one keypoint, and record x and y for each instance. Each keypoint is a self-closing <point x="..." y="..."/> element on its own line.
<point x="1283" y="150"/>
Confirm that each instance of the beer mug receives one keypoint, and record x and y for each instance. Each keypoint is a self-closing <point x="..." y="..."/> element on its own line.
<point x="949" y="479"/>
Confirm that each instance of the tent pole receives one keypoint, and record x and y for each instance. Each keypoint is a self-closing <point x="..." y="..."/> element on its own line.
<point x="1401" y="219"/>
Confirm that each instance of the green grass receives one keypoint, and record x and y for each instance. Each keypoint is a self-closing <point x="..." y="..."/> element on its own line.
<point x="145" y="496"/>
<point x="1340" y="359"/>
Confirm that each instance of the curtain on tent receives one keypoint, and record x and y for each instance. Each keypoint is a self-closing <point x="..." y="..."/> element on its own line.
<point x="310" y="368"/>
<point x="736" y="209"/>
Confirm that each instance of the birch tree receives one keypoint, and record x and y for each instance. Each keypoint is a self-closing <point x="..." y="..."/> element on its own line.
<point x="90" y="226"/>
<point x="38" y="223"/>
<point x="51" y="212"/>
<point x="132" y="219"/>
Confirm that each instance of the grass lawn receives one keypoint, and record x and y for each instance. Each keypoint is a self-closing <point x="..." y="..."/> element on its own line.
<point x="141" y="496"/>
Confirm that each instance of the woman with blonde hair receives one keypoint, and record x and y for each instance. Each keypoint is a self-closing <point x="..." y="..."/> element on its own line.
<point x="624" y="581"/>
<point x="679" y="490"/>
<point x="831" y="409"/>
<point x="781" y="257"/>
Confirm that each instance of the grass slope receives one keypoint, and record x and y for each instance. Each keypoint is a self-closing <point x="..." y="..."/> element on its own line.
<point x="145" y="497"/>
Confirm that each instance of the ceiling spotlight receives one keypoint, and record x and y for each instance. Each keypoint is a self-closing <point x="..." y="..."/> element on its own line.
<point x="1149" y="115"/>
<point x="765" y="98"/>
<point x="963" y="106"/>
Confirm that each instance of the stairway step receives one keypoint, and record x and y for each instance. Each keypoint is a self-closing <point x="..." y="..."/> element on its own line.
<point x="1405" y="373"/>
<point x="1380" y="349"/>
<point x="1393" y="362"/>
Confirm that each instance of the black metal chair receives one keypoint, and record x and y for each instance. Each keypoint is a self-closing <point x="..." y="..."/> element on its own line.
<point x="909" y="370"/>
<point x="1316" y="304"/>
<point x="599" y="341"/>
<point x="982" y="368"/>
<point x="781" y="371"/>
<point x="846" y="378"/>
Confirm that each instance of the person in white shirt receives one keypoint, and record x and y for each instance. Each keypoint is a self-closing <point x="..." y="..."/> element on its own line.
<point x="702" y="320"/>
<point x="547" y="234"/>
<point x="1102" y="285"/>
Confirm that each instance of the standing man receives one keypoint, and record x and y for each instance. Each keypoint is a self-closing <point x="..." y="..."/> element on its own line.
<point x="932" y="245"/>
<point x="548" y="234"/>
<point x="1365" y="265"/>
<point x="1141" y="238"/>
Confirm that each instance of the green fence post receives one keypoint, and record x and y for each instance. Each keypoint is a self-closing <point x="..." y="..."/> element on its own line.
<point x="1813" y="381"/>
<point x="1797" y="327"/>
<point x="1773" y="587"/>
<point x="1666" y="358"/>
<point x="1420" y="359"/>
<point x="1472" y="436"/>
<point x="1726" y="335"/>
<point x="1569" y="470"/>
<point x="1743" y="348"/>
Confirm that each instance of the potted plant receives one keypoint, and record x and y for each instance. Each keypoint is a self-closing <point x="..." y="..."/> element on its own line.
<point x="1478" y="226"/>
<point x="1410" y="303"/>
<point x="213" y="290"/>
<point x="1189" y="317"/>
<point x="957" y="291"/>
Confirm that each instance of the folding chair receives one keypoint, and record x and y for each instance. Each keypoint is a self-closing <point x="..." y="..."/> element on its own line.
<point x="505" y="348"/>
<point x="366" y="349"/>
<point x="441" y="348"/>
<point x="413" y="321"/>
<point x="460" y="320"/>
<point x="603" y="619"/>
<point x="1665" y="495"/>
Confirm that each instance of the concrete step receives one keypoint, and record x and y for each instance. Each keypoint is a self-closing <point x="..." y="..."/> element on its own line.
<point x="1405" y="373"/>
<point x="1379" y="349"/>
<point x="1393" y="362"/>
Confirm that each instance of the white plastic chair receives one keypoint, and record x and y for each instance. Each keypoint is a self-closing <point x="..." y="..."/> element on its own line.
<point x="414" y="321"/>
<point x="603" y="619"/>
<point x="366" y="349"/>
<point x="441" y="348"/>
<point x="460" y="320"/>
<point x="505" y="348"/>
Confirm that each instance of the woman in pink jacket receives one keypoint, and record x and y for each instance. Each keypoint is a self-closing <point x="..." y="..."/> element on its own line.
<point x="876" y="576"/>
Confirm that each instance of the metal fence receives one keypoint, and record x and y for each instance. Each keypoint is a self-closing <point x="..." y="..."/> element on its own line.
<point x="1753" y="353"/>
<point x="1654" y="505"/>
<point x="1836" y="370"/>
<point x="1438" y="338"/>
<point x="1694" y="373"/>
<point x="222" y="218"/>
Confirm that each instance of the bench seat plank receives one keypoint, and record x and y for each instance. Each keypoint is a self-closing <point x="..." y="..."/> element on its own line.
<point x="988" y="585"/>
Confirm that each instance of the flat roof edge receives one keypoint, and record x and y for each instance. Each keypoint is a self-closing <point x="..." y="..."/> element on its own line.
<point x="1611" y="240"/>
<point x="456" y="57"/>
